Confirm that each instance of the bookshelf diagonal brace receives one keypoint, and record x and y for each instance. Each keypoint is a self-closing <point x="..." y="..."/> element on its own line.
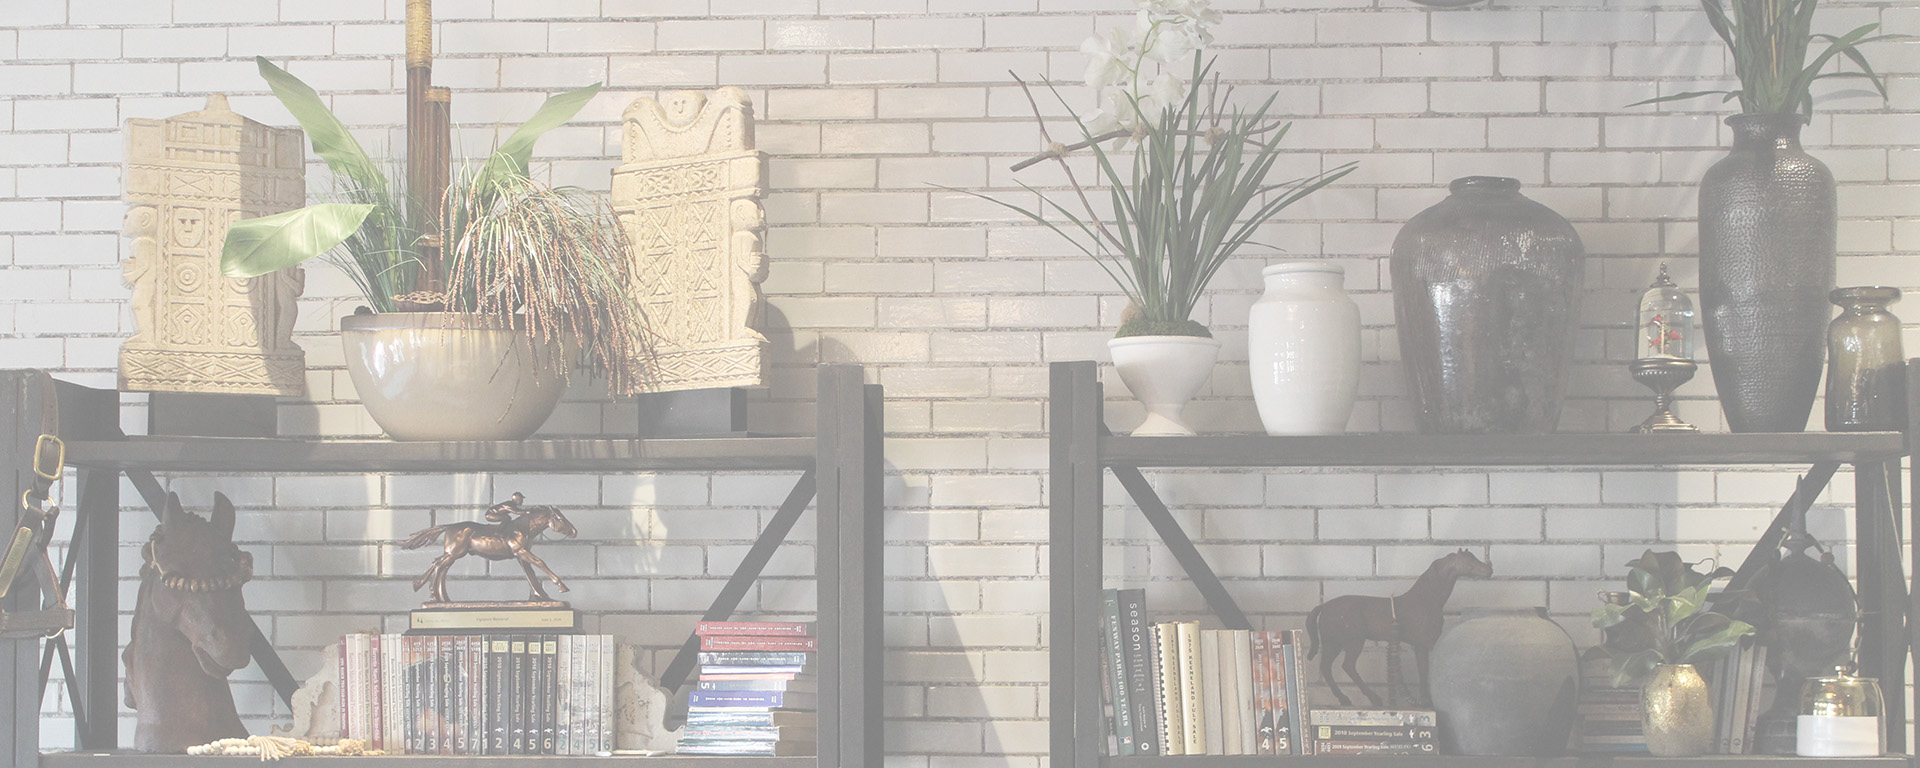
<point x="1182" y="547"/>
<point x="743" y="577"/>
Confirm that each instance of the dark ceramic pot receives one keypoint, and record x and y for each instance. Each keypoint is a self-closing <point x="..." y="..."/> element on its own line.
<point x="1767" y="224"/>
<point x="1505" y="682"/>
<point x="1486" y="296"/>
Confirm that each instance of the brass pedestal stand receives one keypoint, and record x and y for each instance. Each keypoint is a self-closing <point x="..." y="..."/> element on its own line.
<point x="1663" y="375"/>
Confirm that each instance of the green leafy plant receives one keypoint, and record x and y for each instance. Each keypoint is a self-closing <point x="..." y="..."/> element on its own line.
<point x="1665" y="619"/>
<point x="1770" y="40"/>
<point x="382" y="241"/>
<point x="551" y="257"/>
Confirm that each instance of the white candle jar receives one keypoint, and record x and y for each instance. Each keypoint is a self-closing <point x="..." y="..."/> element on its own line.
<point x="1840" y="717"/>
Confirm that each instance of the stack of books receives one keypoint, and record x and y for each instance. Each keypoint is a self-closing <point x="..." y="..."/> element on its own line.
<point x="756" y="690"/>
<point x="1609" y="714"/>
<point x="478" y="694"/>
<point x="1375" y="732"/>
<point x="1172" y="688"/>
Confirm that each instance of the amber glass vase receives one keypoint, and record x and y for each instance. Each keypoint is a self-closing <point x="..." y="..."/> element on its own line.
<point x="1866" y="368"/>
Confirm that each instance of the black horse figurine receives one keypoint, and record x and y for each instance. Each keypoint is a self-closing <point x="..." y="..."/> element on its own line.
<point x="1349" y="621"/>
<point x="509" y="537"/>
<point x="190" y="631"/>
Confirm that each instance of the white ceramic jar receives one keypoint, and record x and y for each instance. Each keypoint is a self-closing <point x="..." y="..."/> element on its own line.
<point x="1303" y="349"/>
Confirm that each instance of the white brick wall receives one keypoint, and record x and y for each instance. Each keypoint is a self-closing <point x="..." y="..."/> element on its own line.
<point x="955" y="304"/>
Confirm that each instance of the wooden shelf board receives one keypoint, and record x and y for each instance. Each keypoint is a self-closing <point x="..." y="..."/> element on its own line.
<point x="134" y="759"/>
<point x="1387" y="449"/>
<point x="216" y="454"/>
<point x="1573" y="761"/>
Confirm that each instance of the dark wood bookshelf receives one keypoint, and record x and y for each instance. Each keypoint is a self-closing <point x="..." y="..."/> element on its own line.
<point x="1083" y="453"/>
<point x="840" y="472"/>
<point x="126" y="759"/>
<point x="1465" y="761"/>
<point x="1387" y="449"/>
<point x="240" y="454"/>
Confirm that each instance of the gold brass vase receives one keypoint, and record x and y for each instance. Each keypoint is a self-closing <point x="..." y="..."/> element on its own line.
<point x="1675" y="715"/>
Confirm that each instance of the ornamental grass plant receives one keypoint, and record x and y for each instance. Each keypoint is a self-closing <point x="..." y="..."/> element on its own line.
<point x="1770" y="40"/>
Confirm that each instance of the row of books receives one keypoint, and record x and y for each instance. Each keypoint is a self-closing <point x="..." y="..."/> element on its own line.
<point x="1172" y="688"/>
<point x="756" y="690"/>
<point x="1735" y="687"/>
<point x="478" y="694"/>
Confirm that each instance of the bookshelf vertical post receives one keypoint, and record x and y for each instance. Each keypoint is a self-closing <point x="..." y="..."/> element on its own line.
<point x="849" y="466"/>
<point x="1075" y="513"/>
<point x="20" y="413"/>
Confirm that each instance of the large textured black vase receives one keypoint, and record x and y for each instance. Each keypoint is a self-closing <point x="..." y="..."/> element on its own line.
<point x="1505" y="683"/>
<point x="1767" y="222"/>
<point x="1486" y="295"/>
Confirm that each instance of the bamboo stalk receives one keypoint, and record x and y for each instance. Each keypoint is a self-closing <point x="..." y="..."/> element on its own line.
<point x="428" y="141"/>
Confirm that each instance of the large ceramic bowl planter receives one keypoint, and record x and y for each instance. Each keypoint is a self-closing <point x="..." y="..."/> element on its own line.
<point x="1163" y="373"/>
<point x="451" y="376"/>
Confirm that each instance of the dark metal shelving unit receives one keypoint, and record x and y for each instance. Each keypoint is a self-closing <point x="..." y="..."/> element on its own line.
<point x="840" y="473"/>
<point x="1082" y="452"/>
<point x="122" y="760"/>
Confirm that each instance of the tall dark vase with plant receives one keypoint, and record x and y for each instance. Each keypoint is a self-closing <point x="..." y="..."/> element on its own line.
<point x="533" y="280"/>
<point x="1191" y="195"/>
<point x="1768" y="216"/>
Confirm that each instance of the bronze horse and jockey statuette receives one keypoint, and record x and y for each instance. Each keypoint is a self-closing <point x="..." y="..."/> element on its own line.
<point x="1345" y="624"/>
<point x="509" y="534"/>
<point x="190" y="630"/>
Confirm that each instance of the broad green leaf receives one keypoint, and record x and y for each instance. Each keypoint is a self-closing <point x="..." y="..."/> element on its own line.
<point x="517" y="151"/>
<point x="1634" y="665"/>
<point x="1717" y="644"/>
<point x="257" y="246"/>
<point x="329" y="137"/>
<point x="1678" y="607"/>
<point x="1609" y="615"/>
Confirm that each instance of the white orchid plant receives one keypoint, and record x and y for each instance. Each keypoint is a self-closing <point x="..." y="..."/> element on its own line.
<point x="1163" y="32"/>
<point x="1195" y="191"/>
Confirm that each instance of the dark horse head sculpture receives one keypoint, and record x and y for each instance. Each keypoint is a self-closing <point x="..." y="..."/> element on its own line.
<point x="190" y="631"/>
<point x="510" y="536"/>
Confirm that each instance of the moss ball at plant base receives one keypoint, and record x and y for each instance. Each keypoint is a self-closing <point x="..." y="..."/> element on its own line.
<point x="1140" y="326"/>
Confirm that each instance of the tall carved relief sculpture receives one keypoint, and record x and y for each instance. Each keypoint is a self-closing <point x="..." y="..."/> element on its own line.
<point x="688" y="194"/>
<point x="188" y="177"/>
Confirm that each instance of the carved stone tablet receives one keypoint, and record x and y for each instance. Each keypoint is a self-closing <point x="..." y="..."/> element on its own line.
<point x="688" y="194"/>
<point x="195" y="330"/>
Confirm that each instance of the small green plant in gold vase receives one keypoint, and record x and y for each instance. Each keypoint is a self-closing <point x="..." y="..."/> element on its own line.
<point x="1662" y="630"/>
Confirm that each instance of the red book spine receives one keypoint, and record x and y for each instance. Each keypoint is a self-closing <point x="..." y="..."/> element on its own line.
<point x="757" y="643"/>
<point x="756" y="628"/>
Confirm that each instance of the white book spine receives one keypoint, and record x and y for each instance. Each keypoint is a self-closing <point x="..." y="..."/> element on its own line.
<point x="1243" y="662"/>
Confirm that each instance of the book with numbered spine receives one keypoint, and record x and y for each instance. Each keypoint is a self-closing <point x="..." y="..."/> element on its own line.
<point x="471" y="694"/>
